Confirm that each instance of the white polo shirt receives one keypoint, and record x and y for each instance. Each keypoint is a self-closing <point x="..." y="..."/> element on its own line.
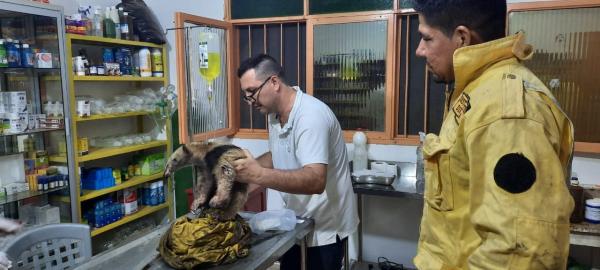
<point x="313" y="135"/>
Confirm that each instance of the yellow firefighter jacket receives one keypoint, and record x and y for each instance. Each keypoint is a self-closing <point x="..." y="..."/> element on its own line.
<point x="495" y="192"/>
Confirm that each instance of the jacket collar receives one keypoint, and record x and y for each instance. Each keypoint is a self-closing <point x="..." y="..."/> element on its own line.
<point x="471" y="61"/>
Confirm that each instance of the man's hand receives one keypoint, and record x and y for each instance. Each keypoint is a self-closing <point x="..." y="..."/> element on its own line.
<point x="248" y="169"/>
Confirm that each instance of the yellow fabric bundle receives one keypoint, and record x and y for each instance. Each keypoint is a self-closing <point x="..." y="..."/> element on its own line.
<point x="204" y="241"/>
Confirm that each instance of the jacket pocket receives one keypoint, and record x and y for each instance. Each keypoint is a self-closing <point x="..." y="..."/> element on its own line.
<point x="438" y="183"/>
<point x="540" y="245"/>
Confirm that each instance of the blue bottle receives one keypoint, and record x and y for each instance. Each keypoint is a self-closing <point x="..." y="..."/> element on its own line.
<point x="27" y="56"/>
<point x="13" y="54"/>
<point x="161" y="192"/>
<point x="154" y="194"/>
<point x="107" y="55"/>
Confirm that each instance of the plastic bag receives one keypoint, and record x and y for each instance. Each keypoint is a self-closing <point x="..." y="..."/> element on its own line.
<point x="282" y="220"/>
<point x="145" y="23"/>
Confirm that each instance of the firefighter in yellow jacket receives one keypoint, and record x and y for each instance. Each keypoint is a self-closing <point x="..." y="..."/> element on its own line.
<point x="495" y="186"/>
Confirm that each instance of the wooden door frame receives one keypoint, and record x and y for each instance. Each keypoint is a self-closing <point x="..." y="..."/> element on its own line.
<point x="181" y="19"/>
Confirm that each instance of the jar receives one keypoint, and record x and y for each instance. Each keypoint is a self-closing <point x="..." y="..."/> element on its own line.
<point x="592" y="210"/>
<point x="577" y="192"/>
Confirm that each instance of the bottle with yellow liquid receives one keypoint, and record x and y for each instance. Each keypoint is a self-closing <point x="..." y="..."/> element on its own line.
<point x="210" y="59"/>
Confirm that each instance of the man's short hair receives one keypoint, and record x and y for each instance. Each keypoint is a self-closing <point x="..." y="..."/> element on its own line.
<point x="486" y="17"/>
<point x="264" y="65"/>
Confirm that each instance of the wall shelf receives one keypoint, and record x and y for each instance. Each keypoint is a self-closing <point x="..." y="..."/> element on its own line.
<point x="134" y="181"/>
<point x="145" y="210"/>
<point x="91" y="40"/>
<point x="109" y="116"/>
<point x="27" y="194"/>
<point x="100" y="153"/>
<point x="118" y="79"/>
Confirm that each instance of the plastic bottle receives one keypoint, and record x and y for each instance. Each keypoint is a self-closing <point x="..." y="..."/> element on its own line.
<point x="136" y="63"/>
<point x="124" y="21"/>
<point x="360" y="151"/>
<point x="97" y="26"/>
<point x="161" y="192"/>
<point x="27" y="57"/>
<point x="157" y="63"/>
<point x="108" y="56"/>
<point x="145" y="63"/>
<point x="114" y="15"/>
<point x="154" y="194"/>
<point x="108" y="25"/>
<point x="420" y="184"/>
<point x="12" y="53"/>
<point x="3" y="56"/>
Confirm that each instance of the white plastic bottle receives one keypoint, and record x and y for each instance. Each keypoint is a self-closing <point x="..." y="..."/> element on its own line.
<point x="360" y="158"/>
<point x="157" y="63"/>
<point x="145" y="63"/>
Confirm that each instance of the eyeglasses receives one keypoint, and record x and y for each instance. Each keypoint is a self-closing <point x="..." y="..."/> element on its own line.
<point x="250" y="98"/>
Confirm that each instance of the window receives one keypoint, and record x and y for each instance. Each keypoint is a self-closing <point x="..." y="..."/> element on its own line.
<point x="286" y="42"/>
<point x="566" y="58"/>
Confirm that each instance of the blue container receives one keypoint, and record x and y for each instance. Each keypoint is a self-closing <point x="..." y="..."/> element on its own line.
<point x="107" y="55"/>
<point x="13" y="54"/>
<point x="27" y="56"/>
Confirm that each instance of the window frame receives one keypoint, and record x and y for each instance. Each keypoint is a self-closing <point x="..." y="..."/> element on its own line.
<point x="580" y="147"/>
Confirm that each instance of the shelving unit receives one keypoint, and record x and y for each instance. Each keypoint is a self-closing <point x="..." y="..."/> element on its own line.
<point x="81" y="125"/>
<point x="21" y="153"/>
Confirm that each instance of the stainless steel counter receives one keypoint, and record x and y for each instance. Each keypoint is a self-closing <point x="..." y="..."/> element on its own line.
<point x="405" y="185"/>
<point x="142" y="253"/>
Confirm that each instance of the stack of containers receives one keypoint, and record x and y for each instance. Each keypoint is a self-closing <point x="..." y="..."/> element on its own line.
<point x="153" y="193"/>
<point x="97" y="178"/>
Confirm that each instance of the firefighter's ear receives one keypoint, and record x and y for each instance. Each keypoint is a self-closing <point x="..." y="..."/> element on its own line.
<point x="462" y="36"/>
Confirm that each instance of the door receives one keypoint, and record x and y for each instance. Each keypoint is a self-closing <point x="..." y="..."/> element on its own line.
<point x="204" y="63"/>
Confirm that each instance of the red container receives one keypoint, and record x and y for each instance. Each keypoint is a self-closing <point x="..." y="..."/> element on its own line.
<point x="190" y="197"/>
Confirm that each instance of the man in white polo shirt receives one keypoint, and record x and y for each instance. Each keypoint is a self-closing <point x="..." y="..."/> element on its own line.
<point x="307" y="162"/>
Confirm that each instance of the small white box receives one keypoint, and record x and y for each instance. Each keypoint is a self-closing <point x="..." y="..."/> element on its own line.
<point x="16" y="98"/>
<point x="43" y="60"/>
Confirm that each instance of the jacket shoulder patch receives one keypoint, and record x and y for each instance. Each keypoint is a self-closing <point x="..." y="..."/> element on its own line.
<point x="512" y="96"/>
<point x="514" y="173"/>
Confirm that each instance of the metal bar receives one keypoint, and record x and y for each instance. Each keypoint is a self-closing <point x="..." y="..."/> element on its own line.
<point x="426" y="100"/>
<point x="303" y="258"/>
<point x="406" y="75"/>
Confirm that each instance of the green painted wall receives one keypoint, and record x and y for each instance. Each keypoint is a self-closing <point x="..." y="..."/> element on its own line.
<point x="183" y="177"/>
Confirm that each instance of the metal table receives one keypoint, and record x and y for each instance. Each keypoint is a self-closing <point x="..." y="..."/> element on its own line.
<point x="404" y="186"/>
<point x="264" y="251"/>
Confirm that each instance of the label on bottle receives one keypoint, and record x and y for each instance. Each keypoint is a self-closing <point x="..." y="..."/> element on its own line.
<point x="124" y="28"/>
<point x="203" y="49"/>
